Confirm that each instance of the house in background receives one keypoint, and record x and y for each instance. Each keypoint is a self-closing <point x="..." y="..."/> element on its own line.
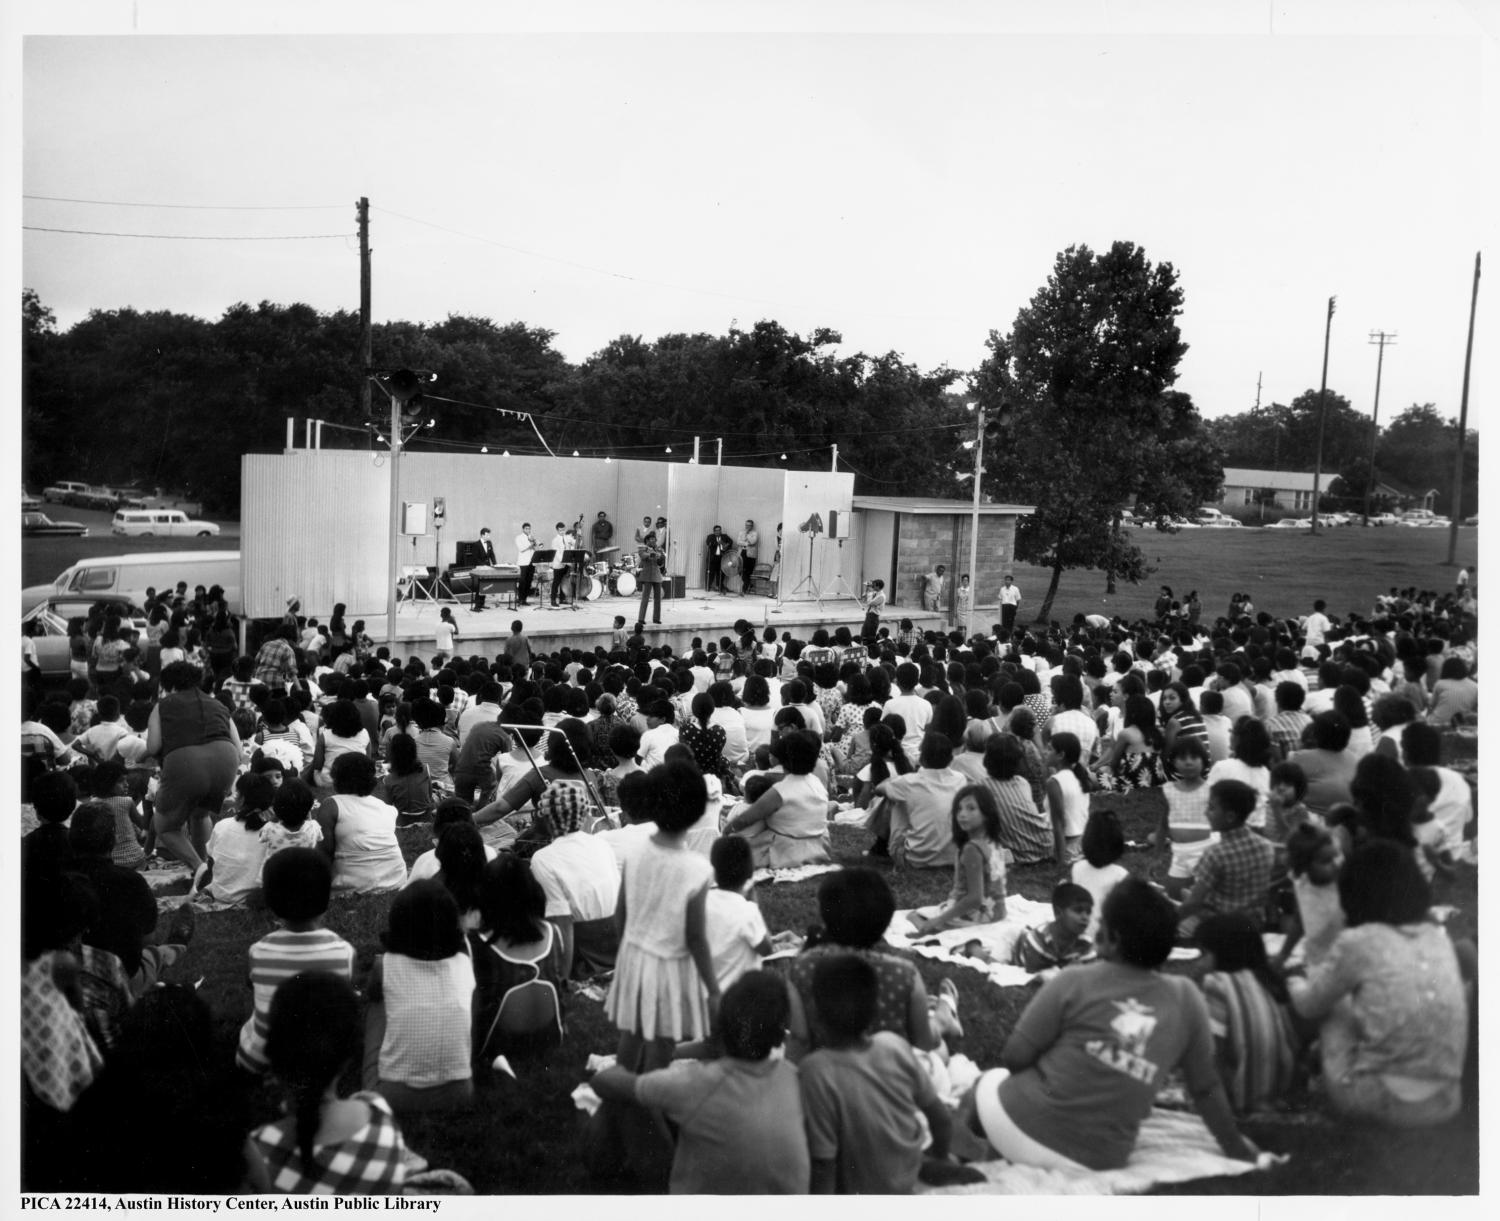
<point x="1292" y="490"/>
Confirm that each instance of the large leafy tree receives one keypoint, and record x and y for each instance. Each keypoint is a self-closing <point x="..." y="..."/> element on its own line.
<point x="1083" y="384"/>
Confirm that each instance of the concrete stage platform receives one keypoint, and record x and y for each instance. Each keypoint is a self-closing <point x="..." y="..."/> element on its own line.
<point x="697" y="614"/>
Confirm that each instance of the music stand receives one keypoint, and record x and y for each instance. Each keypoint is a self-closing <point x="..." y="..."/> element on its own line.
<point x="575" y="560"/>
<point x="544" y="555"/>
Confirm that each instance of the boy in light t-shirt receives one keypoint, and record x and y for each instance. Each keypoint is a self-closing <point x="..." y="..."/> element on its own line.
<point x="737" y="935"/>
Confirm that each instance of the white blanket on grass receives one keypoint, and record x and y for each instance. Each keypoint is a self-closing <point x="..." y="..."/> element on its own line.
<point x="794" y="874"/>
<point x="1173" y="1147"/>
<point x="998" y="939"/>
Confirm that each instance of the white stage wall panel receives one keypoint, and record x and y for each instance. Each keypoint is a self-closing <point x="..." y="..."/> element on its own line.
<point x="820" y="492"/>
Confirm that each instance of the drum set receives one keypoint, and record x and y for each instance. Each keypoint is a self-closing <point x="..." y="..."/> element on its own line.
<point x="616" y="576"/>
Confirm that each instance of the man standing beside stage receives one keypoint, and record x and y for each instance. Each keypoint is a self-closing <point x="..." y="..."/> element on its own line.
<point x="525" y="547"/>
<point x="602" y="534"/>
<point x="486" y="548"/>
<point x="932" y="589"/>
<point x="1010" y="601"/>
<point x="716" y="544"/>
<point x="749" y="542"/>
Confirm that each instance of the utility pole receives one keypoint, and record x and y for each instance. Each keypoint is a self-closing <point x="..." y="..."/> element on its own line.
<point x="1382" y="338"/>
<point x="1322" y="410"/>
<point x="1456" y="512"/>
<point x="834" y="465"/>
<point x="1257" y="391"/>
<point x="364" y="308"/>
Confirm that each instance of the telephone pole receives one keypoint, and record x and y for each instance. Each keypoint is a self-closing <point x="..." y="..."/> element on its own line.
<point x="1382" y="338"/>
<point x="1456" y="512"/>
<point x="364" y="308"/>
<point x="1322" y="411"/>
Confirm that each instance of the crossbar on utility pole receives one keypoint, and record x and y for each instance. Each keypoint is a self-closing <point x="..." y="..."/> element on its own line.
<point x="1322" y="410"/>
<point x="1382" y="338"/>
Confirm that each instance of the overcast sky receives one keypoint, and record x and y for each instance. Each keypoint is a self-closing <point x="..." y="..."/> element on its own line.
<point x="905" y="180"/>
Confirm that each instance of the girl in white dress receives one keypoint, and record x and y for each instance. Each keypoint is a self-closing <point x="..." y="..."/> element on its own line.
<point x="665" y="989"/>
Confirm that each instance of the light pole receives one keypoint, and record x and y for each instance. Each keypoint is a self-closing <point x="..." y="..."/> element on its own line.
<point x="982" y="428"/>
<point x="402" y="386"/>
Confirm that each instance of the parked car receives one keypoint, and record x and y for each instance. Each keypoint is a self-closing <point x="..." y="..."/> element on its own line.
<point x="166" y="523"/>
<point x="47" y="624"/>
<point x="65" y="491"/>
<point x="1472" y="521"/>
<point x="1291" y="523"/>
<point x="104" y="497"/>
<point x="1207" y="515"/>
<point x="1383" y="519"/>
<point x="40" y="523"/>
<point x="129" y="576"/>
<point x="28" y="501"/>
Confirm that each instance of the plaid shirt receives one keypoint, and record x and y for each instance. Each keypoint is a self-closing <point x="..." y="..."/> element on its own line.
<point x="1286" y="729"/>
<point x="1238" y="870"/>
<point x="276" y="664"/>
<point x="368" y="1163"/>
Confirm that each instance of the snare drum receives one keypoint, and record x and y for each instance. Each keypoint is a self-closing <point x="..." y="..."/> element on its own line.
<point x="628" y="563"/>
<point x="622" y="583"/>
<point x="591" y="589"/>
<point x="600" y="569"/>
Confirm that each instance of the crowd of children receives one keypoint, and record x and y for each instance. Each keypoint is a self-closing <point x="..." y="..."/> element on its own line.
<point x="613" y="806"/>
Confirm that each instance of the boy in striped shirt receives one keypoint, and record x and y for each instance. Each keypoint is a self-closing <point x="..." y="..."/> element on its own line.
<point x="296" y="883"/>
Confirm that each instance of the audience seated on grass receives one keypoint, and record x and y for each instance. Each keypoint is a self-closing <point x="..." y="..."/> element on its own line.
<point x="1234" y="874"/>
<point x="359" y="830"/>
<point x="1044" y="948"/>
<point x="737" y="935"/>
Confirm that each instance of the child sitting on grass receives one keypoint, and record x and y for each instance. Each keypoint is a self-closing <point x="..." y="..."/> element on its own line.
<point x="297" y="883"/>
<point x="978" y="894"/>
<point x="1285" y="809"/>
<point x="1235" y="873"/>
<point x="737" y="935"/>
<point x="1100" y="870"/>
<point x="111" y="789"/>
<point x="290" y="826"/>
<point x="1184" y="824"/>
<point x="862" y="1089"/>
<point x="408" y="785"/>
<point x="1045" y="948"/>
<point x="1255" y="1045"/>
<point x="235" y="852"/>
<point x="1316" y="916"/>
<point x="421" y="991"/>
<point x="325" y="1144"/>
<point x="740" y="1124"/>
<point x="449" y="811"/>
<point x="54" y="796"/>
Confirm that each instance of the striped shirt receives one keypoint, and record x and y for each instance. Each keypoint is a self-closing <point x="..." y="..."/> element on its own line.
<point x="1285" y="730"/>
<point x="1258" y="1058"/>
<point x="274" y="959"/>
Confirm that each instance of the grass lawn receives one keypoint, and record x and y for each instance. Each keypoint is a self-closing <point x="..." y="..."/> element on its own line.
<point x="1283" y="571"/>
<point x="520" y="1138"/>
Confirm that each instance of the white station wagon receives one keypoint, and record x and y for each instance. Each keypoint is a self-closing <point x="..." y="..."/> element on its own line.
<point x="166" y="523"/>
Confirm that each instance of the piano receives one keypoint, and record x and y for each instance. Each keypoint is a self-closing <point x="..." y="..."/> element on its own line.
<point x="501" y="580"/>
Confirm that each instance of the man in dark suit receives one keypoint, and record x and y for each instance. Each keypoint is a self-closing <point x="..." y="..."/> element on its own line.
<point x="486" y="548"/>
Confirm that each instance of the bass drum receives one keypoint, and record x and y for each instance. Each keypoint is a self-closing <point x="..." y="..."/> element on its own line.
<point x="591" y="589"/>
<point x="623" y="584"/>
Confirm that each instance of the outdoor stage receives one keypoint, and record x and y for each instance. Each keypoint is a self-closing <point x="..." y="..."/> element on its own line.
<point x="697" y="614"/>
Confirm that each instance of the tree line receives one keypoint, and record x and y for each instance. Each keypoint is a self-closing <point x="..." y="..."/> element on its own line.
<point x="1084" y="420"/>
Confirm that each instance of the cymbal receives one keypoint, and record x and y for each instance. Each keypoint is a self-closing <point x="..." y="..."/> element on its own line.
<point x="605" y="550"/>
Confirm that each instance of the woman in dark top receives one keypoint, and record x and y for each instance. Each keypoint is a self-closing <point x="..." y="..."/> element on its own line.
<point x="199" y="749"/>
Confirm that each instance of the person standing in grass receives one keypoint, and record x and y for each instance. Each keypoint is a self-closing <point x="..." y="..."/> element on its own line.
<point x="665" y="989"/>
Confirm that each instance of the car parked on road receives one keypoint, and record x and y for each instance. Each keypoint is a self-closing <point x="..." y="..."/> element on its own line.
<point x="65" y="491"/>
<point x="40" y="523"/>
<point x="1383" y="519"/>
<point x="47" y="624"/>
<point x="1291" y="523"/>
<point x="164" y="523"/>
<point x="28" y="501"/>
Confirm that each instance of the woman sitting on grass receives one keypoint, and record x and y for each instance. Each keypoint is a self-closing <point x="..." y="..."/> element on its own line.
<point x="359" y="830"/>
<point x="408" y="785"/>
<point x="1390" y="997"/>
<point x="1134" y="759"/>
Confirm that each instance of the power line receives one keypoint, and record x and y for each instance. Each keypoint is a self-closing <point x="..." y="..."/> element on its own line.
<point x="116" y="203"/>
<point x="196" y="237"/>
